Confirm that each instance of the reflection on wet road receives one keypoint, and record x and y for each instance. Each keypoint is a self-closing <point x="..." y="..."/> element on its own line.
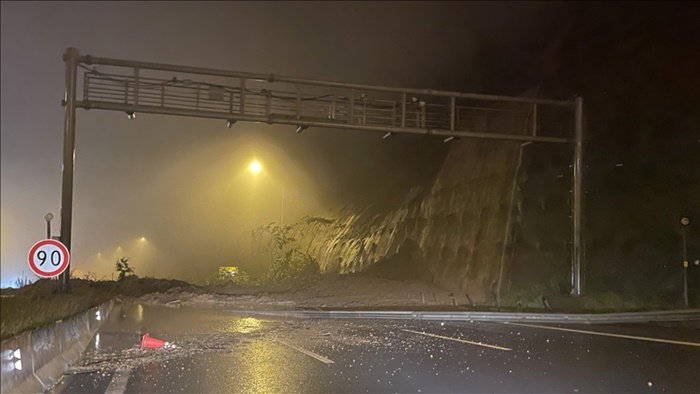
<point x="218" y="352"/>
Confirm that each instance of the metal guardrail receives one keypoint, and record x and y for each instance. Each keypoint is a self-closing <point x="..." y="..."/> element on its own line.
<point x="580" y="318"/>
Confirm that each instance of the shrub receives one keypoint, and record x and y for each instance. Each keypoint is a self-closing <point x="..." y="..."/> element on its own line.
<point x="289" y="263"/>
<point x="124" y="269"/>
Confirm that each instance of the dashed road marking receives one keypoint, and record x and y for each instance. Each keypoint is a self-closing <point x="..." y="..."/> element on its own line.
<point x="459" y="340"/>
<point x="608" y="334"/>
<point x="308" y="353"/>
<point x="119" y="381"/>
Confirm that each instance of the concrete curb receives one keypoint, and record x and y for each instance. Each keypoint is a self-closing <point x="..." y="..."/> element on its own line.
<point x="34" y="361"/>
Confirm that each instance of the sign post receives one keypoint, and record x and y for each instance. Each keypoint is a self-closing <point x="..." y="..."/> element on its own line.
<point x="48" y="217"/>
<point x="48" y="258"/>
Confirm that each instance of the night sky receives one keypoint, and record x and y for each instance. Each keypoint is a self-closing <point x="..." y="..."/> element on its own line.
<point x="181" y="183"/>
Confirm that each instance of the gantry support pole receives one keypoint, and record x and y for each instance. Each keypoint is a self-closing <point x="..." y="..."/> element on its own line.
<point x="71" y="59"/>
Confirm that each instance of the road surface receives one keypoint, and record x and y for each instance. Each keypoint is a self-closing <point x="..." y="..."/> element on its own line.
<point x="218" y="352"/>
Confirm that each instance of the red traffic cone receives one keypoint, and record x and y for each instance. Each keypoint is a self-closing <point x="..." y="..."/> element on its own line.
<point x="152" y="343"/>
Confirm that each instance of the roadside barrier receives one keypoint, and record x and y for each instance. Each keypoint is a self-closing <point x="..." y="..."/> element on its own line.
<point x="33" y="362"/>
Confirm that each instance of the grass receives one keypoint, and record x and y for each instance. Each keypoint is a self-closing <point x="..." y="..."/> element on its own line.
<point x="40" y="304"/>
<point x="593" y="300"/>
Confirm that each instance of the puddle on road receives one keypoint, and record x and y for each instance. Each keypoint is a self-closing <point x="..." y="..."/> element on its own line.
<point x="245" y="325"/>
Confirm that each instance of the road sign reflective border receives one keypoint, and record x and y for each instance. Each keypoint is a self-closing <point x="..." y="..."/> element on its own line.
<point x="49" y="246"/>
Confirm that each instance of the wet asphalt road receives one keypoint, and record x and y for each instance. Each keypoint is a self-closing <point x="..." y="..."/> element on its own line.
<point x="222" y="353"/>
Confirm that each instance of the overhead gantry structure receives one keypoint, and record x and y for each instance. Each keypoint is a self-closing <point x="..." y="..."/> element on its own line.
<point x="137" y="87"/>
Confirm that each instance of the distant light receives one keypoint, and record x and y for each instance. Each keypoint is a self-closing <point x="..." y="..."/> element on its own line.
<point x="619" y="165"/>
<point x="98" y="316"/>
<point x="131" y="115"/>
<point x="230" y="123"/>
<point x="143" y="239"/>
<point x="301" y="128"/>
<point x="387" y="135"/>
<point x="255" y="167"/>
<point x="450" y="138"/>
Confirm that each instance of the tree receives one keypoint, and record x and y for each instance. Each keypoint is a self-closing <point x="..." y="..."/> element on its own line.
<point x="123" y="268"/>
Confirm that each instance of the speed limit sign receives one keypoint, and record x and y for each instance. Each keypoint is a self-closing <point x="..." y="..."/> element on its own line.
<point x="48" y="258"/>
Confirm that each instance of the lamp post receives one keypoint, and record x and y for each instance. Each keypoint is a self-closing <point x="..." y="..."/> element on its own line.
<point x="255" y="167"/>
<point x="685" y="222"/>
<point x="282" y="208"/>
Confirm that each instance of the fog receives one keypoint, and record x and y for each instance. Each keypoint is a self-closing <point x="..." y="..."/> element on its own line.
<point x="182" y="184"/>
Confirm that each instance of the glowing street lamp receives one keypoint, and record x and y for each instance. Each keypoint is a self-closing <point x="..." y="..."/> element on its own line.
<point x="255" y="167"/>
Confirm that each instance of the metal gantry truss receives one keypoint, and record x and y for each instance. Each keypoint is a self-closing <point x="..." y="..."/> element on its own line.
<point x="142" y="87"/>
<point x="235" y="96"/>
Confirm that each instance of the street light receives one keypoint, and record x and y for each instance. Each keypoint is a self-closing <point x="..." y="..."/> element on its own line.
<point x="255" y="167"/>
<point x="450" y="138"/>
<point x="685" y="222"/>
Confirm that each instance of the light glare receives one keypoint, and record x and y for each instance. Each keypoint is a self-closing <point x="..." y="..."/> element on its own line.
<point x="255" y="167"/>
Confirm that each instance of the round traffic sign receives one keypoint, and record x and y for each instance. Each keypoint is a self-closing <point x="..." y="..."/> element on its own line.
<point x="48" y="258"/>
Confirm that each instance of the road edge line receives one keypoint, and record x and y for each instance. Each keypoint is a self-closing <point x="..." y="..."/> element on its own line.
<point x="608" y="334"/>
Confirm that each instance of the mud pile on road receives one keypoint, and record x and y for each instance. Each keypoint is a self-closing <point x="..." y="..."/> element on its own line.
<point x="329" y="292"/>
<point x="127" y="359"/>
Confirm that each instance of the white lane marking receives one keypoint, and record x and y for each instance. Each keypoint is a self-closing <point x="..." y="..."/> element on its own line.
<point x="458" y="340"/>
<point x="608" y="334"/>
<point x="119" y="381"/>
<point x="308" y="353"/>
